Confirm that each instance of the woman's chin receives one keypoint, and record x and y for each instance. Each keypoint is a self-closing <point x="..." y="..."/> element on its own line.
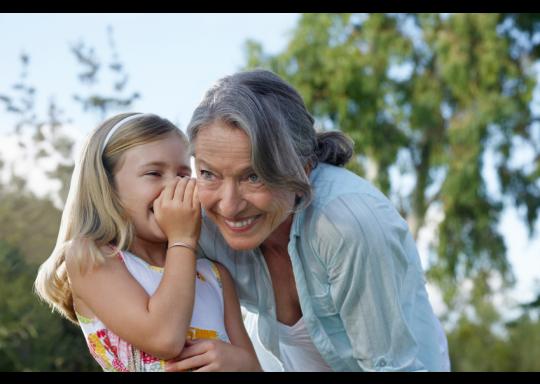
<point x="241" y="244"/>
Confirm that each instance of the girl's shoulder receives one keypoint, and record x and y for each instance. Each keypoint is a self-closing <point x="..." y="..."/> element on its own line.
<point x="82" y="253"/>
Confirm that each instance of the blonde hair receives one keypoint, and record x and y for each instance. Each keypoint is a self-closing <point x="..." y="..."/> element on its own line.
<point x="93" y="216"/>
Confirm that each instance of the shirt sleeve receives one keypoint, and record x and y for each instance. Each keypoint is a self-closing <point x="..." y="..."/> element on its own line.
<point x="372" y="273"/>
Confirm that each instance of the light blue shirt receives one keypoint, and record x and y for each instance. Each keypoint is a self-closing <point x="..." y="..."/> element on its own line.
<point x="358" y="275"/>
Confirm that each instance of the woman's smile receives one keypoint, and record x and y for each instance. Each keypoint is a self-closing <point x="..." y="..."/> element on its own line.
<point x="235" y="198"/>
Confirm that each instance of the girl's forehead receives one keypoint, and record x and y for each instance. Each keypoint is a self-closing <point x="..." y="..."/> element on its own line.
<point x="167" y="148"/>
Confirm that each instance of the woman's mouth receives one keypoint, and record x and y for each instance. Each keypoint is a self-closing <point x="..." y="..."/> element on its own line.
<point x="241" y="225"/>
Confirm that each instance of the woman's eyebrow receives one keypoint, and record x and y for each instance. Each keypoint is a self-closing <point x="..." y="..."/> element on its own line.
<point x="206" y="164"/>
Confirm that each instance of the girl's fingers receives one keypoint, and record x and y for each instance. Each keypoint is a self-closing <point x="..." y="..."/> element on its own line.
<point x="204" y="368"/>
<point x="189" y="364"/>
<point x="194" y="348"/>
<point x="188" y="193"/>
<point x="179" y="190"/>
<point x="157" y="201"/>
<point x="169" y="190"/>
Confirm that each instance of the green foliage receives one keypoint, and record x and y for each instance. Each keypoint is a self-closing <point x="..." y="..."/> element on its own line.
<point x="476" y="345"/>
<point x="31" y="337"/>
<point x="28" y="224"/>
<point x="524" y="344"/>
<point x="473" y="347"/>
<point x="428" y="96"/>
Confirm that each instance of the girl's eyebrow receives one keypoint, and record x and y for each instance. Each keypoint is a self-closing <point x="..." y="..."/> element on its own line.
<point x="162" y="164"/>
<point x="153" y="164"/>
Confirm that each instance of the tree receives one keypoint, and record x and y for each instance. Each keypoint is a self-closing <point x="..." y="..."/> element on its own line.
<point x="37" y="137"/>
<point x="482" y="343"/>
<point x="103" y="104"/>
<point x="49" y="134"/>
<point x="426" y="99"/>
<point x="32" y="338"/>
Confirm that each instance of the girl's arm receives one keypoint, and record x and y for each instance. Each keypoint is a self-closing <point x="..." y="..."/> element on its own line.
<point x="234" y="324"/>
<point x="215" y="355"/>
<point x="156" y="324"/>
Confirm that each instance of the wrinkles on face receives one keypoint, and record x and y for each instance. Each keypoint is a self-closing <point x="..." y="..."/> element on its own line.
<point x="246" y="211"/>
<point x="224" y="148"/>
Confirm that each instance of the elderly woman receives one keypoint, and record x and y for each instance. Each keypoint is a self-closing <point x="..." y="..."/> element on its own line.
<point x="317" y="252"/>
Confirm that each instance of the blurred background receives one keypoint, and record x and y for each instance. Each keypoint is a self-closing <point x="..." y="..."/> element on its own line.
<point x="444" y="110"/>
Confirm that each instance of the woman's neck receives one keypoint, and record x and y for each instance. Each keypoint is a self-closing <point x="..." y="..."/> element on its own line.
<point x="278" y="240"/>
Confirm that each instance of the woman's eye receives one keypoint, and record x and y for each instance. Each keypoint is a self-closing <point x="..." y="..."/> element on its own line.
<point x="253" y="178"/>
<point x="153" y="173"/>
<point x="206" y="175"/>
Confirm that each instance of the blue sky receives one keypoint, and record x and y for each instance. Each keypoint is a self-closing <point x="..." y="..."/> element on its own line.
<point x="171" y="60"/>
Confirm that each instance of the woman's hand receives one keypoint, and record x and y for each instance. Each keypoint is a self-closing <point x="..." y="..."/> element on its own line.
<point x="178" y="211"/>
<point x="203" y="355"/>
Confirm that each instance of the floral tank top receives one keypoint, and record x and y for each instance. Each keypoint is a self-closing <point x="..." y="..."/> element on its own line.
<point x="207" y="322"/>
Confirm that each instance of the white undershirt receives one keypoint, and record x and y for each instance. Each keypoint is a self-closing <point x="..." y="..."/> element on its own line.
<point x="298" y="353"/>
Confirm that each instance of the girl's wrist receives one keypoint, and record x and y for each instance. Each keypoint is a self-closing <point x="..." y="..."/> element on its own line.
<point x="182" y="239"/>
<point x="184" y="244"/>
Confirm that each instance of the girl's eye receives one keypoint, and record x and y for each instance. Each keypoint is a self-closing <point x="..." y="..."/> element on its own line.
<point x="153" y="173"/>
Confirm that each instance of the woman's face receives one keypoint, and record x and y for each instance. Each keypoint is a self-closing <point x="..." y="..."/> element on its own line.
<point x="246" y="212"/>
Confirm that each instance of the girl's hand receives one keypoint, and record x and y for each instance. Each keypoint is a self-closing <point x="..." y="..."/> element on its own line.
<point x="203" y="355"/>
<point x="178" y="211"/>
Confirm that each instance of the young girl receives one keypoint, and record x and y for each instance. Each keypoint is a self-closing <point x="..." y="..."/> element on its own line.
<point x="125" y="267"/>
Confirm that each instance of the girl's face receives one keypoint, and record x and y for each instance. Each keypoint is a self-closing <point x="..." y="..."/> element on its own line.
<point x="246" y="212"/>
<point x="142" y="174"/>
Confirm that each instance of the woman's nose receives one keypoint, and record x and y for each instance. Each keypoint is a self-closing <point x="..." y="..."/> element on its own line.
<point x="231" y="201"/>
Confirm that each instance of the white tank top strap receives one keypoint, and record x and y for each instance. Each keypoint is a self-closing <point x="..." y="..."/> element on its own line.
<point x="208" y="269"/>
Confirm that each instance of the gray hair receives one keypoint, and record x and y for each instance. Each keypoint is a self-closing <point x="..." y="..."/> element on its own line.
<point x="281" y="130"/>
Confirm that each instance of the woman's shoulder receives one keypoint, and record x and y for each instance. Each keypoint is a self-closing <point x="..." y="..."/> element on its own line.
<point x="354" y="216"/>
<point x="342" y="196"/>
<point x="332" y="184"/>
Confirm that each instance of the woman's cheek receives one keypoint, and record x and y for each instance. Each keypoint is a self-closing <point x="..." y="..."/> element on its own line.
<point x="206" y="196"/>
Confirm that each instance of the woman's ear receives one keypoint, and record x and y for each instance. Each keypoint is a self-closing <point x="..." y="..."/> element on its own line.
<point x="308" y="168"/>
<point x="297" y="199"/>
